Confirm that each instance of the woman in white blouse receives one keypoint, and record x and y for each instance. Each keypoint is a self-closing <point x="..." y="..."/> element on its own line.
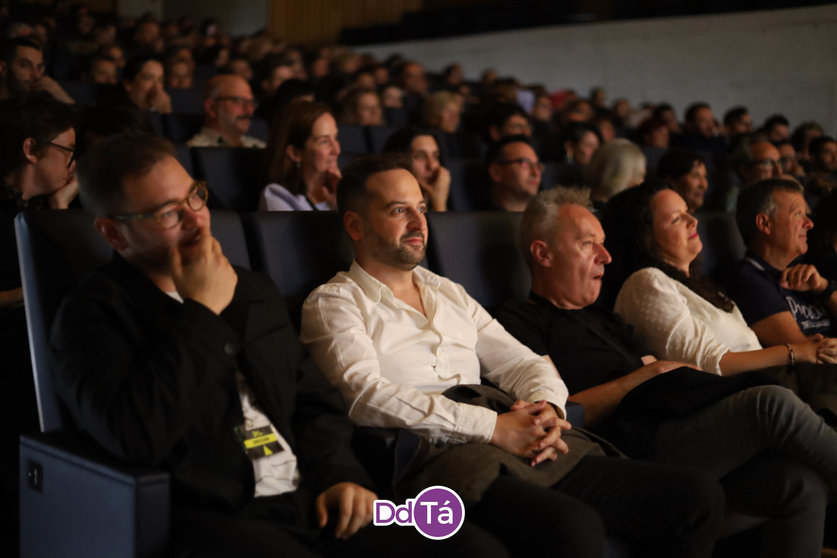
<point x="302" y="159"/>
<point x="678" y="314"/>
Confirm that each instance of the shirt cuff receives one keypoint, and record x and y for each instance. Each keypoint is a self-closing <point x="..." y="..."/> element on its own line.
<point x="473" y="425"/>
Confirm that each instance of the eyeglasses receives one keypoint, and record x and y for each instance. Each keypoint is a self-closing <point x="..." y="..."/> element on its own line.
<point x="241" y="101"/>
<point x="70" y="150"/>
<point x="524" y="162"/>
<point x="171" y="214"/>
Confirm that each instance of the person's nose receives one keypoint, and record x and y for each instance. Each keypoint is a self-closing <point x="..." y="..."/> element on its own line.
<point x="604" y="255"/>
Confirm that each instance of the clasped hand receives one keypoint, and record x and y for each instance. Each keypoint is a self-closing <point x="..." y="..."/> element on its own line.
<point x="531" y="430"/>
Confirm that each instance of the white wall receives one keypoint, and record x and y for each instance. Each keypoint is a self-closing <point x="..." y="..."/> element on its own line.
<point x="771" y="61"/>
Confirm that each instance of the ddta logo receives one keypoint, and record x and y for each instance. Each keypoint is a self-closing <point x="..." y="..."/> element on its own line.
<point x="437" y="513"/>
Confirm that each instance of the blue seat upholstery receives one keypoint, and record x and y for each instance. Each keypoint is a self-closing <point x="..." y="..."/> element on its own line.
<point x="234" y="174"/>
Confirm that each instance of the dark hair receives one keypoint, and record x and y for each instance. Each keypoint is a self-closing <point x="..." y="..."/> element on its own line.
<point x="691" y="111"/>
<point x="735" y="114"/>
<point x="677" y="162"/>
<point x="628" y="222"/>
<point x="800" y="135"/>
<point x="499" y="113"/>
<point x="758" y="198"/>
<point x="352" y="194"/>
<point x="650" y="124"/>
<point x="775" y="120"/>
<point x="38" y="116"/>
<point x="818" y="144"/>
<point x="495" y="150"/>
<point x="292" y="126"/>
<point x="134" y="65"/>
<point x="109" y="117"/>
<point x="660" y="109"/>
<point x="401" y="140"/>
<point x="10" y="46"/>
<point x="109" y="162"/>
<point x="575" y="132"/>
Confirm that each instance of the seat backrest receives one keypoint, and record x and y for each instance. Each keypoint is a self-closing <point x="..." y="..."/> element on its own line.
<point x="236" y="175"/>
<point x="378" y="136"/>
<point x="300" y="250"/>
<point x="56" y="250"/>
<point x="183" y="154"/>
<point x="722" y="243"/>
<point x="469" y="184"/>
<point x="179" y="127"/>
<point x="352" y="139"/>
<point x="479" y="251"/>
<point x="186" y="100"/>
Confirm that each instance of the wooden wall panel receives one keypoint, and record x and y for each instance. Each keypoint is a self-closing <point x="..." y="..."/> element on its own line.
<point x="319" y="21"/>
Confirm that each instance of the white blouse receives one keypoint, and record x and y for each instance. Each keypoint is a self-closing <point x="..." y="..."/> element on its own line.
<point x="676" y="323"/>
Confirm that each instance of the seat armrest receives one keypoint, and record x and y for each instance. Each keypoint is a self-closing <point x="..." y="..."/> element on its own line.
<point x="77" y="501"/>
<point x="575" y="414"/>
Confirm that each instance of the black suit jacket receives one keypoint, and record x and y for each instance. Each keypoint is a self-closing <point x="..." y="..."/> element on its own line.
<point x="153" y="382"/>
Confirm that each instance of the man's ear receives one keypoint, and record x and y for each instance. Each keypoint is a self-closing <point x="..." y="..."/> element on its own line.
<point x="494" y="133"/>
<point x="541" y="253"/>
<point x="353" y="224"/>
<point x="209" y="109"/>
<point x="494" y="172"/>
<point x="294" y="154"/>
<point x="110" y="231"/>
<point x="29" y="146"/>
<point x="764" y="223"/>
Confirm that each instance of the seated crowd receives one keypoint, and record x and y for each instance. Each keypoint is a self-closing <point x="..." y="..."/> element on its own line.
<point x="704" y="394"/>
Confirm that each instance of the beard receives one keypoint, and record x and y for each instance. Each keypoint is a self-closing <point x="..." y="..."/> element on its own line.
<point x="400" y="256"/>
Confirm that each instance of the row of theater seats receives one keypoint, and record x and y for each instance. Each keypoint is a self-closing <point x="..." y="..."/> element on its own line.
<point x="95" y="506"/>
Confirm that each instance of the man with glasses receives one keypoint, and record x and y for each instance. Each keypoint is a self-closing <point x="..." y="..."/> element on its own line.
<point x="514" y="171"/>
<point x="228" y="108"/>
<point x="170" y="357"/>
<point x="754" y="158"/>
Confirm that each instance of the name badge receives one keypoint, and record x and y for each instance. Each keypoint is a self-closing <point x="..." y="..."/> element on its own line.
<point x="258" y="442"/>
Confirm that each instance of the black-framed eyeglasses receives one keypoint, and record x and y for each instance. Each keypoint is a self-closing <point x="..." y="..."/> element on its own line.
<point x="171" y="214"/>
<point x="70" y="150"/>
<point x="524" y="162"/>
<point x="246" y="102"/>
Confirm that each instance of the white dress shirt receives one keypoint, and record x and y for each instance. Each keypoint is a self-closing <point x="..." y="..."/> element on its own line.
<point x="676" y="323"/>
<point x="208" y="137"/>
<point x="391" y="363"/>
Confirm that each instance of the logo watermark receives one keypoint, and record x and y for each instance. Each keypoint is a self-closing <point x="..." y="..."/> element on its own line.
<point x="437" y="513"/>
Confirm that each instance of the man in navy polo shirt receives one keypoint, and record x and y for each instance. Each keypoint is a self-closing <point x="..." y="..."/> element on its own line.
<point x="782" y="301"/>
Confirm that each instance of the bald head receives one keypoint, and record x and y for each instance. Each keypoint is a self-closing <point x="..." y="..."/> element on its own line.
<point x="228" y="106"/>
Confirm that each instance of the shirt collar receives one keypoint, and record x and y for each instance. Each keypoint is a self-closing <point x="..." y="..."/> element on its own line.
<point x="375" y="290"/>
<point x="753" y="259"/>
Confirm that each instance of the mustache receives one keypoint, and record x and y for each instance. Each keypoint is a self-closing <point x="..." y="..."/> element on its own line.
<point x="412" y="235"/>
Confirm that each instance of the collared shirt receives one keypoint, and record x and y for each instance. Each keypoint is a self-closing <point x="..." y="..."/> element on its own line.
<point x="208" y="137"/>
<point x="391" y="363"/>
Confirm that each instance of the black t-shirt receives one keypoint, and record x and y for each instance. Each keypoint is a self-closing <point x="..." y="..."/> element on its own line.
<point x="589" y="347"/>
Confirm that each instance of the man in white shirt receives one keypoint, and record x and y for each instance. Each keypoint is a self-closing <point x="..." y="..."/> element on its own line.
<point x="393" y="337"/>
<point x="228" y="107"/>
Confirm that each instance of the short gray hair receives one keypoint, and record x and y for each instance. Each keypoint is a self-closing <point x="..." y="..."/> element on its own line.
<point x="541" y="219"/>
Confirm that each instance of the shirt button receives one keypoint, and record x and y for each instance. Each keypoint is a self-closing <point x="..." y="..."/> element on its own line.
<point x="229" y="348"/>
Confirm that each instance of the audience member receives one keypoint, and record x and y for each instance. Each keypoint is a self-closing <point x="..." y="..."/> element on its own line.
<point x="789" y="161"/>
<point x="822" y="238"/>
<point x="101" y="70"/>
<point x="718" y="425"/>
<point x="581" y="140"/>
<point x="362" y="107"/>
<point x="737" y="121"/>
<point x="801" y="138"/>
<point x="777" y="128"/>
<point x="228" y="106"/>
<point x="782" y="301"/>
<point x="302" y="159"/>
<point x="615" y="166"/>
<point x="408" y="348"/>
<point x="22" y="71"/>
<point x="823" y="165"/>
<point x="179" y="73"/>
<point x="142" y="79"/>
<point x="684" y="171"/>
<point x="37" y="162"/>
<point x="507" y="119"/>
<point x="514" y="173"/>
<point x="442" y="111"/>
<point x="422" y="148"/>
<point x="653" y="141"/>
<point x="753" y="158"/>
